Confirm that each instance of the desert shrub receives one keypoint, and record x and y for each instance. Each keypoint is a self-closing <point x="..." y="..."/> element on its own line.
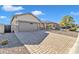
<point x="49" y="27"/>
<point x="73" y="29"/>
<point x="4" y="42"/>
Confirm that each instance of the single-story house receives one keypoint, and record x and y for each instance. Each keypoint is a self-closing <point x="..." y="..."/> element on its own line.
<point x="53" y="25"/>
<point x="25" y="22"/>
<point x="42" y="26"/>
<point x="45" y="25"/>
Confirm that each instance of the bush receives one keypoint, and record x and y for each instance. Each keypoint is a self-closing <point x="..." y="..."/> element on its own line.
<point x="73" y="29"/>
<point x="4" y="42"/>
<point x="57" y="28"/>
<point x="49" y="27"/>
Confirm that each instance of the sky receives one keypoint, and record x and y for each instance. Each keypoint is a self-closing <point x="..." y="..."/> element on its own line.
<point x="53" y="13"/>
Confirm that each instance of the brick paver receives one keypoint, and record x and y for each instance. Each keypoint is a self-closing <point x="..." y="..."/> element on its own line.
<point x="53" y="43"/>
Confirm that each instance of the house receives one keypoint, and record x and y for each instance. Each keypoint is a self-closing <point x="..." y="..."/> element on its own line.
<point x="53" y="25"/>
<point x="45" y="25"/>
<point x="42" y="26"/>
<point x="25" y="22"/>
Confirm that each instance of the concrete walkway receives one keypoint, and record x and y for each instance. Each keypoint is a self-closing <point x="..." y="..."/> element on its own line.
<point x="75" y="48"/>
<point x="53" y="43"/>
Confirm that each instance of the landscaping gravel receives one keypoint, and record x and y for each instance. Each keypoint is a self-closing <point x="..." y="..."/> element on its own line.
<point x="13" y="46"/>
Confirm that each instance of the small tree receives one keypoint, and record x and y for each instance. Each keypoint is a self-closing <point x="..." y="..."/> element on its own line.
<point x="49" y="27"/>
<point x="67" y="22"/>
<point x="73" y="28"/>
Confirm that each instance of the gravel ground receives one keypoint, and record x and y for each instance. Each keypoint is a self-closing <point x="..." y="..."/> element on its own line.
<point x="13" y="46"/>
<point x="14" y="50"/>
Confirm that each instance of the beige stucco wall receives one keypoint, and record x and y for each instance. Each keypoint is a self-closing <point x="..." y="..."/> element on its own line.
<point x="14" y="28"/>
<point x="1" y="28"/>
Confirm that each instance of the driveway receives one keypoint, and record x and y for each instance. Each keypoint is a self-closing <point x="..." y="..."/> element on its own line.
<point x="31" y="38"/>
<point x="46" y="42"/>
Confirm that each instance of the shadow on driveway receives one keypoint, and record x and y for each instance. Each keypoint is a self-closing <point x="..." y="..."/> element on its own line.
<point x="31" y="38"/>
<point x="23" y="38"/>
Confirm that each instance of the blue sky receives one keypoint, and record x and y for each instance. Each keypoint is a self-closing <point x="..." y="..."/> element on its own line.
<point x="52" y="13"/>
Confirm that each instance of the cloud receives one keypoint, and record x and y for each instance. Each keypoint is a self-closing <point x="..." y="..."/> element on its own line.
<point x="37" y="13"/>
<point x="19" y="13"/>
<point x="74" y="13"/>
<point x="2" y="17"/>
<point x="11" y="8"/>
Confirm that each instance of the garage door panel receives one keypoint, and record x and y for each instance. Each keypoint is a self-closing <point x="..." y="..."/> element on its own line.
<point x="27" y="26"/>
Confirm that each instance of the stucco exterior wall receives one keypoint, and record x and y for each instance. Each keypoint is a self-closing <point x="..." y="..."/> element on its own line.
<point x="14" y="25"/>
<point x="2" y="28"/>
<point x="14" y="28"/>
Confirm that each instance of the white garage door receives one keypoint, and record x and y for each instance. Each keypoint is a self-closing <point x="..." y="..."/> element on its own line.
<point x="27" y="26"/>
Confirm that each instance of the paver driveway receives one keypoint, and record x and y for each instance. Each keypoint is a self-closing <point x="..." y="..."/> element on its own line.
<point x="53" y="43"/>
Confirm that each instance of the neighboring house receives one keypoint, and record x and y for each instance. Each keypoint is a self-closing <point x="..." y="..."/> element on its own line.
<point x="42" y="26"/>
<point x="45" y="25"/>
<point x="53" y="25"/>
<point x="25" y="22"/>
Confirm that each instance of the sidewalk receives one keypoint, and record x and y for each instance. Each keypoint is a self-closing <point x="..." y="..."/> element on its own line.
<point x="75" y="48"/>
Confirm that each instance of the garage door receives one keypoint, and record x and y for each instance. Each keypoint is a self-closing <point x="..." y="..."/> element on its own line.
<point x="27" y="26"/>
